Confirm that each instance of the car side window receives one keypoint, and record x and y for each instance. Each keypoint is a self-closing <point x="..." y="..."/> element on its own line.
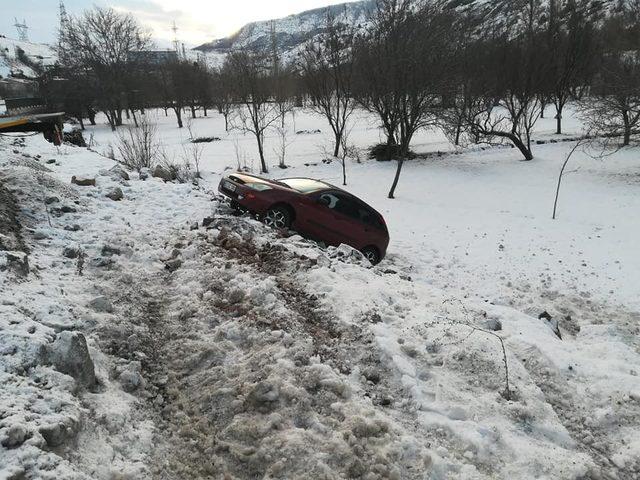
<point x="329" y="200"/>
<point x="341" y="204"/>
<point x="369" y="217"/>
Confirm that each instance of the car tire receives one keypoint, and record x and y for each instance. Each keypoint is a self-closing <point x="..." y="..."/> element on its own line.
<point x="278" y="217"/>
<point x="372" y="254"/>
<point x="236" y="208"/>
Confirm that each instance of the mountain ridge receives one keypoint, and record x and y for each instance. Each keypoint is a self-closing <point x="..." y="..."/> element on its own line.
<point x="295" y="30"/>
<point x="291" y="31"/>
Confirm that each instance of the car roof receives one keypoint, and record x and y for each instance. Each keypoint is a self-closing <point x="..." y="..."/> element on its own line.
<point x="321" y="185"/>
<point x="306" y="185"/>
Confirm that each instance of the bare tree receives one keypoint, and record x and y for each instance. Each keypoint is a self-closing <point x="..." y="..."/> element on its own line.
<point x="283" y="145"/>
<point x="613" y="109"/>
<point x="327" y="73"/>
<point x="252" y="83"/>
<point x="570" y="41"/>
<point x="191" y="158"/>
<point x="178" y="76"/>
<point x="138" y="147"/>
<point x="403" y="64"/>
<point x="508" y="83"/>
<point x="101" y="41"/>
<point x="562" y="172"/>
<point x="223" y="93"/>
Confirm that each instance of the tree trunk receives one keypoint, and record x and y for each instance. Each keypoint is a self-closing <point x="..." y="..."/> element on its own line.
<point x="458" y="131"/>
<point x="627" y="136"/>
<point x="193" y="111"/>
<point x="559" y="120"/>
<point x="110" y="119"/>
<point x="513" y="138"/>
<point x="179" y="116"/>
<point x="344" y="172"/>
<point x="524" y="149"/>
<point x="336" y="150"/>
<point x="263" y="163"/>
<point x="205" y="110"/>
<point x="397" y="177"/>
<point x="118" y="118"/>
<point x="126" y="112"/>
<point x="226" y="122"/>
<point x="81" y="122"/>
<point x="135" y="120"/>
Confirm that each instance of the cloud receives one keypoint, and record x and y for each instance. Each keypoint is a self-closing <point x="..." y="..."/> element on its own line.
<point x="201" y="21"/>
<point x="158" y="17"/>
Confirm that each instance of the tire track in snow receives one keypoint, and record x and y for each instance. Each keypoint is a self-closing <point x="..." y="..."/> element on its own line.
<point x="247" y="377"/>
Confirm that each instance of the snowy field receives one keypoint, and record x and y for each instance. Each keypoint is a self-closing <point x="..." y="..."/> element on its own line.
<point x="478" y="223"/>
<point x="232" y="352"/>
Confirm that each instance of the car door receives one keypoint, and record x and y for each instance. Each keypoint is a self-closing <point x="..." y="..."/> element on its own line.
<point x="373" y="228"/>
<point x="317" y="217"/>
<point x="348" y="220"/>
<point x="340" y="218"/>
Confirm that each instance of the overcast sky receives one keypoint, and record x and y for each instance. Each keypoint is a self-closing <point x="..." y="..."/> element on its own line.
<point x="198" y="21"/>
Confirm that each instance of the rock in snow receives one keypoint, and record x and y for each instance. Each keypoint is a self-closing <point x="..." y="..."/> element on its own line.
<point x="83" y="182"/>
<point x="18" y="262"/>
<point x="69" y="354"/>
<point x="116" y="173"/>
<point x="15" y="436"/>
<point x="115" y="194"/>
<point x="163" y="173"/>
<point x="56" y="434"/>
<point x="101" y="305"/>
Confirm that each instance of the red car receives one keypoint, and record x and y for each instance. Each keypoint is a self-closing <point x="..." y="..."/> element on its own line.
<point x="313" y="208"/>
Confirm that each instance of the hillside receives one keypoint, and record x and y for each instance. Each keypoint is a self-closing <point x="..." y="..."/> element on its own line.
<point x="293" y="31"/>
<point x="13" y="63"/>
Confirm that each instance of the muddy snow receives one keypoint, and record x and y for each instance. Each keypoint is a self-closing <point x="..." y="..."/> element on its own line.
<point x="134" y="345"/>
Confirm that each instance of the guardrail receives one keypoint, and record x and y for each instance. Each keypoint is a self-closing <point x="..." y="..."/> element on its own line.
<point x="20" y="106"/>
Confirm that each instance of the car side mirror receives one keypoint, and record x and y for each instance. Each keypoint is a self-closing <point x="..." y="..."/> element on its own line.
<point x="323" y="201"/>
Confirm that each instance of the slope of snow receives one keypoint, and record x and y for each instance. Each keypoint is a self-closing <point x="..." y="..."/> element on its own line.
<point x="294" y="31"/>
<point x="478" y="222"/>
<point x="237" y="352"/>
<point x="10" y="63"/>
<point x="291" y="31"/>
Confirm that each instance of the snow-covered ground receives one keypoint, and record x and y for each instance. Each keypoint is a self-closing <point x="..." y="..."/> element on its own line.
<point x="232" y="352"/>
<point x="478" y="223"/>
<point x="10" y="63"/>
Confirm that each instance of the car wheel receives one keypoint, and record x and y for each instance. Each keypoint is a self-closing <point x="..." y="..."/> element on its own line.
<point x="372" y="254"/>
<point x="278" y="217"/>
<point x="236" y="208"/>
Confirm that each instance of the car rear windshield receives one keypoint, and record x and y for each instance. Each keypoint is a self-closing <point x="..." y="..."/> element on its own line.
<point x="304" y="185"/>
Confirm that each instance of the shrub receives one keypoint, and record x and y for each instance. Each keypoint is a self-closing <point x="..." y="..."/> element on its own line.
<point x="383" y="152"/>
<point x="138" y="146"/>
